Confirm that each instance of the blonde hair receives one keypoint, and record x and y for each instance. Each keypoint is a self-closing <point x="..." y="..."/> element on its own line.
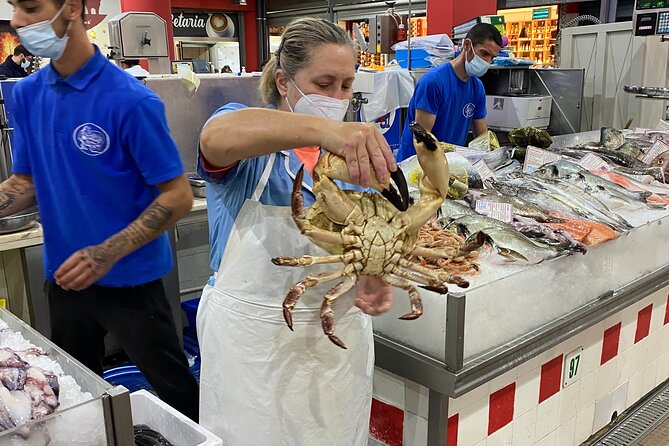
<point x="299" y="40"/>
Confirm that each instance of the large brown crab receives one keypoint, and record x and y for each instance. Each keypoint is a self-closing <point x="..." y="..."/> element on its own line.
<point x="368" y="234"/>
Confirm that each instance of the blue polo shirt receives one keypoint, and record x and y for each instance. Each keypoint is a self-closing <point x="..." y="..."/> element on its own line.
<point x="455" y="103"/>
<point x="96" y="144"/>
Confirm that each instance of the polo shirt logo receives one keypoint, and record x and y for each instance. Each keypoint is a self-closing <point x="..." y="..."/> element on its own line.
<point x="91" y="139"/>
<point x="468" y="110"/>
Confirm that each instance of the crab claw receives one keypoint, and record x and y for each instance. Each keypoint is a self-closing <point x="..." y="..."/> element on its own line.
<point x="423" y="136"/>
<point x="334" y="167"/>
<point x="398" y="197"/>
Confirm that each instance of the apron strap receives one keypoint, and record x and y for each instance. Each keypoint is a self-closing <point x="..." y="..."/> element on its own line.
<point x="264" y="178"/>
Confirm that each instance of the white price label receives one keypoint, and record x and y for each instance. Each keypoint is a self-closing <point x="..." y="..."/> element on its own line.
<point x="483" y="170"/>
<point x="536" y="157"/>
<point x="572" y="367"/>
<point x="593" y="162"/>
<point x="469" y="153"/>
<point x="499" y="211"/>
<point x="657" y="149"/>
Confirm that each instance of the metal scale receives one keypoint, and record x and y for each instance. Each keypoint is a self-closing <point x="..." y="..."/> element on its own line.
<point x="651" y="18"/>
<point x="140" y="35"/>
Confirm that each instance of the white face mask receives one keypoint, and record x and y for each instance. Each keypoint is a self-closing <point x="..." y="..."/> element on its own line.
<point x="25" y="64"/>
<point x="41" y="39"/>
<point x="319" y="105"/>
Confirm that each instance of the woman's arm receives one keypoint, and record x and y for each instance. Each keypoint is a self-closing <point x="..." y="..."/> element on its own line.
<point x="252" y="132"/>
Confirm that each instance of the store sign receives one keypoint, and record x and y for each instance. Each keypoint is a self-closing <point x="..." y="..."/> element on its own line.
<point x="541" y="14"/>
<point x="205" y="24"/>
<point x="572" y="367"/>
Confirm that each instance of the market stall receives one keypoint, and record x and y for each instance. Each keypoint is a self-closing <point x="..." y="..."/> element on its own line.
<point x="538" y="347"/>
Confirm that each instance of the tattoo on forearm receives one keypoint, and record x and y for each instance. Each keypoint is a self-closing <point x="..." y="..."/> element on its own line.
<point x="9" y="191"/>
<point x="156" y="216"/>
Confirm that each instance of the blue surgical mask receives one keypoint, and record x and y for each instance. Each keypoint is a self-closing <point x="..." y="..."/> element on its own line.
<point x="477" y="67"/>
<point x="25" y="64"/>
<point x="41" y="39"/>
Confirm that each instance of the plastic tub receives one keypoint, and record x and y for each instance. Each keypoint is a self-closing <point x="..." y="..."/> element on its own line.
<point x="177" y="428"/>
<point x="417" y="58"/>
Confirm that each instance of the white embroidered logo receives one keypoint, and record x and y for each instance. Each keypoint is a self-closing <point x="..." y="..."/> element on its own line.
<point x="91" y="139"/>
<point x="468" y="110"/>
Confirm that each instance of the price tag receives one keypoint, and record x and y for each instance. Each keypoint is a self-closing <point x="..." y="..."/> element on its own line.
<point x="572" y="367"/>
<point x="469" y="153"/>
<point x="499" y="211"/>
<point x="536" y="157"/>
<point x="483" y="170"/>
<point x="593" y="162"/>
<point x="657" y="149"/>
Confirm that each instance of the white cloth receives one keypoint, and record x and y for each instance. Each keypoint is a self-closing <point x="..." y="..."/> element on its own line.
<point x="393" y="89"/>
<point x="260" y="383"/>
<point x="137" y="71"/>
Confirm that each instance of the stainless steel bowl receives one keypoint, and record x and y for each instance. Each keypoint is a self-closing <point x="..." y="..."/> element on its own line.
<point x="18" y="222"/>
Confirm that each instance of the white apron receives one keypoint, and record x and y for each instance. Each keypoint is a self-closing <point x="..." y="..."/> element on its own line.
<point x="260" y="383"/>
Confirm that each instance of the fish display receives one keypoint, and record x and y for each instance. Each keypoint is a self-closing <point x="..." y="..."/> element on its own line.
<point x="563" y="207"/>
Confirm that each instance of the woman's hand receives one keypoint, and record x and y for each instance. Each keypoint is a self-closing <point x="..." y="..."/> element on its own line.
<point x="373" y="295"/>
<point x="360" y="144"/>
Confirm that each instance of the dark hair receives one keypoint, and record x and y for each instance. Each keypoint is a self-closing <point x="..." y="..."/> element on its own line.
<point x="83" y="8"/>
<point x="482" y="32"/>
<point x="21" y="50"/>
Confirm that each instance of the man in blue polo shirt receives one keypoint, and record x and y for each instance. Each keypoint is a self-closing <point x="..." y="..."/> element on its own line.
<point x="92" y="146"/>
<point x="450" y="97"/>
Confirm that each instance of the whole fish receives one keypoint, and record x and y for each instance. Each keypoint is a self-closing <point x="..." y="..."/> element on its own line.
<point x="510" y="166"/>
<point x="630" y="148"/>
<point x="508" y="242"/>
<point x="532" y="195"/>
<point x="655" y="172"/>
<point x="611" y="138"/>
<point x="451" y="210"/>
<point x="520" y="207"/>
<point x="632" y="184"/>
<point x="582" y="203"/>
<point x="608" y="194"/>
<point x="547" y="235"/>
<point x="578" y="175"/>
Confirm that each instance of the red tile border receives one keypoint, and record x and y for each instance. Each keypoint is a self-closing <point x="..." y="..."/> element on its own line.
<point x="452" y="432"/>
<point x="551" y="378"/>
<point x="500" y="412"/>
<point x="666" y="312"/>
<point x="610" y="343"/>
<point x="643" y="323"/>
<point x="386" y="423"/>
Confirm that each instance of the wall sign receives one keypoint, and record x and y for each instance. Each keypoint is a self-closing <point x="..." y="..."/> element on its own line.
<point x="205" y="24"/>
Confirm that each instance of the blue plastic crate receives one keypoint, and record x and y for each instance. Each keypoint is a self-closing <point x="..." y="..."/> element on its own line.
<point x="190" y="308"/>
<point x="418" y="58"/>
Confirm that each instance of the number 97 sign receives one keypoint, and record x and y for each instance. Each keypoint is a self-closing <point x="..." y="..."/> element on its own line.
<point x="572" y="367"/>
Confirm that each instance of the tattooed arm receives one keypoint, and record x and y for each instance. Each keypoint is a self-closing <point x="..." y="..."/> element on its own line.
<point x="16" y="194"/>
<point x="85" y="267"/>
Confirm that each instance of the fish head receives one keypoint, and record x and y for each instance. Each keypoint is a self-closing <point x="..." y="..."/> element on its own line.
<point x="548" y="171"/>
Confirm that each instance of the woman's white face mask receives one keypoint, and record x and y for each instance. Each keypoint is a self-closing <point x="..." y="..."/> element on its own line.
<point x="319" y="105"/>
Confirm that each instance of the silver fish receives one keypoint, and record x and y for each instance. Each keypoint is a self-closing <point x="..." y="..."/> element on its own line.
<point x="451" y="209"/>
<point x="547" y="235"/>
<point x="535" y="196"/>
<point x="582" y="203"/>
<point x="520" y="207"/>
<point x="509" y="243"/>
<point x="576" y="174"/>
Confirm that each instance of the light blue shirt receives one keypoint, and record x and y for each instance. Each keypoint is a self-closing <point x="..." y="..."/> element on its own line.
<point x="226" y="193"/>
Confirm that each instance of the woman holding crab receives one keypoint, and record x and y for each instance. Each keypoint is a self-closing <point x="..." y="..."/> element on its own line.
<point x="260" y="382"/>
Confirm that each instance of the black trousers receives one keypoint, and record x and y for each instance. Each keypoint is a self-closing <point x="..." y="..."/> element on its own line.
<point x="141" y="319"/>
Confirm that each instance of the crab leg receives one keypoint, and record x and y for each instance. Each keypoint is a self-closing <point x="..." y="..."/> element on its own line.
<point x="300" y="287"/>
<point x="442" y="253"/>
<point x="442" y="276"/>
<point x="327" y="315"/>
<point x="313" y="260"/>
<point x="337" y="206"/>
<point x="430" y="283"/>
<point x="414" y="296"/>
